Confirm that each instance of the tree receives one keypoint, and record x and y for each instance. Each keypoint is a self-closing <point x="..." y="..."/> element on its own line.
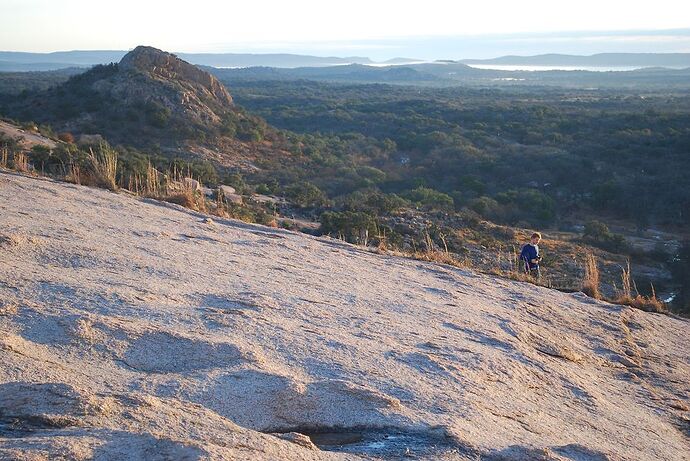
<point x="305" y="194"/>
<point x="355" y="227"/>
<point x="430" y="198"/>
<point x="66" y="137"/>
<point x="597" y="230"/>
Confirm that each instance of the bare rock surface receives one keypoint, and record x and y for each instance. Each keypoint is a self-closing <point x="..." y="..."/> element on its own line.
<point x="27" y="139"/>
<point x="132" y="329"/>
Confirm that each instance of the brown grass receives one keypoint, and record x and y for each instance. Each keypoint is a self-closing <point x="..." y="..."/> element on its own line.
<point x="432" y="254"/>
<point x="73" y="174"/>
<point x="590" y="280"/>
<point x="220" y="208"/>
<point x="179" y="190"/>
<point x="103" y="168"/>
<point x="150" y="185"/>
<point x="4" y="157"/>
<point x="173" y="187"/>
<point x="20" y="162"/>
<point x="648" y="303"/>
<point x="625" y="296"/>
<point x="17" y="161"/>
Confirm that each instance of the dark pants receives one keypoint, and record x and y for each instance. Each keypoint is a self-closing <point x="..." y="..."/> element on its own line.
<point x="533" y="271"/>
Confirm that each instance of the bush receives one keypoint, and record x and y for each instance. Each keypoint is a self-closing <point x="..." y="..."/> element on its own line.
<point x="430" y="198"/>
<point x="66" y="137"/>
<point x="596" y="230"/>
<point x="355" y="227"/>
<point x="262" y="189"/>
<point x="374" y="202"/>
<point x="237" y="181"/>
<point x="157" y="115"/>
<point x="527" y="205"/>
<point x="305" y="194"/>
<point x="598" y="233"/>
<point x="484" y="206"/>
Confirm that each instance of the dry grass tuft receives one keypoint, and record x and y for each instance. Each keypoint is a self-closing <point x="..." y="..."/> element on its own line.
<point x="103" y="167"/>
<point x="432" y="254"/>
<point x="184" y="199"/>
<point x="4" y="157"/>
<point x="151" y="185"/>
<point x="20" y="162"/>
<point x="73" y="174"/>
<point x="590" y="281"/>
<point x="625" y="297"/>
<point x="648" y="303"/>
<point x="180" y="189"/>
<point x="173" y="187"/>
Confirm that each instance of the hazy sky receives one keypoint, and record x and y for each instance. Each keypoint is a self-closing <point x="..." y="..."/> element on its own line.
<point x="363" y="27"/>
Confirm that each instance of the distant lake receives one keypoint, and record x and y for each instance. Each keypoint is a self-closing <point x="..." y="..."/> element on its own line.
<point x="543" y="68"/>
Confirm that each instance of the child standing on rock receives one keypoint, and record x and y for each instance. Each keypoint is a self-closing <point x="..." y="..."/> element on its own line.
<point x="529" y="256"/>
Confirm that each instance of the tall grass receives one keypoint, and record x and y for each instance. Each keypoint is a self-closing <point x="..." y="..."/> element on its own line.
<point x="150" y="185"/>
<point x="591" y="278"/>
<point x="103" y="167"/>
<point x="172" y="186"/>
<point x="180" y="189"/>
<point x="625" y="294"/>
<point x="14" y="160"/>
<point x="4" y="156"/>
<point x="73" y="174"/>
<point x="20" y="162"/>
<point x="433" y="254"/>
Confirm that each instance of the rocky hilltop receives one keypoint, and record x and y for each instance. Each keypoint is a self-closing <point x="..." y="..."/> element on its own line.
<point x="132" y="329"/>
<point x="149" y="97"/>
<point x="182" y="88"/>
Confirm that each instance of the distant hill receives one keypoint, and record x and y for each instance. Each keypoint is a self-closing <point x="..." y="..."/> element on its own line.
<point x="18" y="62"/>
<point x="60" y="59"/>
<point x="349" y="73"/>
<point x="149" y="96"/>
<point x="677" y="60"/>
<point x="21" y="62"/>
<point x="451" y="73"/>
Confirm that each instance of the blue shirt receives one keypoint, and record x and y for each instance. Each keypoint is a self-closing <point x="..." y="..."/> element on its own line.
<point x="528" y="253"/>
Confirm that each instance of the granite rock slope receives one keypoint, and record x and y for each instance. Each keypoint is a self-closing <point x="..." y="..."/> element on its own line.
<point x="135" y="329"/>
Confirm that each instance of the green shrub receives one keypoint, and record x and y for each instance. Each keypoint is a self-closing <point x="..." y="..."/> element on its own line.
<point x="374" y="202"/>
<point x="430" y="198"/>
<point x="598" y="233"/>
<point x="355" y="227"/>
<point x="596" y="230"/>
<point x="305" y="194"/>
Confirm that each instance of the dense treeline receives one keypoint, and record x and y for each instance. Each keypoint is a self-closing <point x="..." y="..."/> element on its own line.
<point x="512" y="155"/>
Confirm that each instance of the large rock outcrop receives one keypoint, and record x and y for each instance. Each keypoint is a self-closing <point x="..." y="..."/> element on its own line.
<point x="132" y="329"/>
<point x="149" y="97"/>
<point x="149" y="75"/>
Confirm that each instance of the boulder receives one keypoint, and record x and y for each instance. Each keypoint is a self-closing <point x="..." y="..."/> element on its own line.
<point x="234" y="198"/>
<point x="185" y="184"/>
<point x="228" y="190"/>
<point x="90" y="139"/>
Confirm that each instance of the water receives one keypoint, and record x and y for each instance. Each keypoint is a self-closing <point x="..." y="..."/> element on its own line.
<point x="389" y="444"/>
<point x="544" y="68"/>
